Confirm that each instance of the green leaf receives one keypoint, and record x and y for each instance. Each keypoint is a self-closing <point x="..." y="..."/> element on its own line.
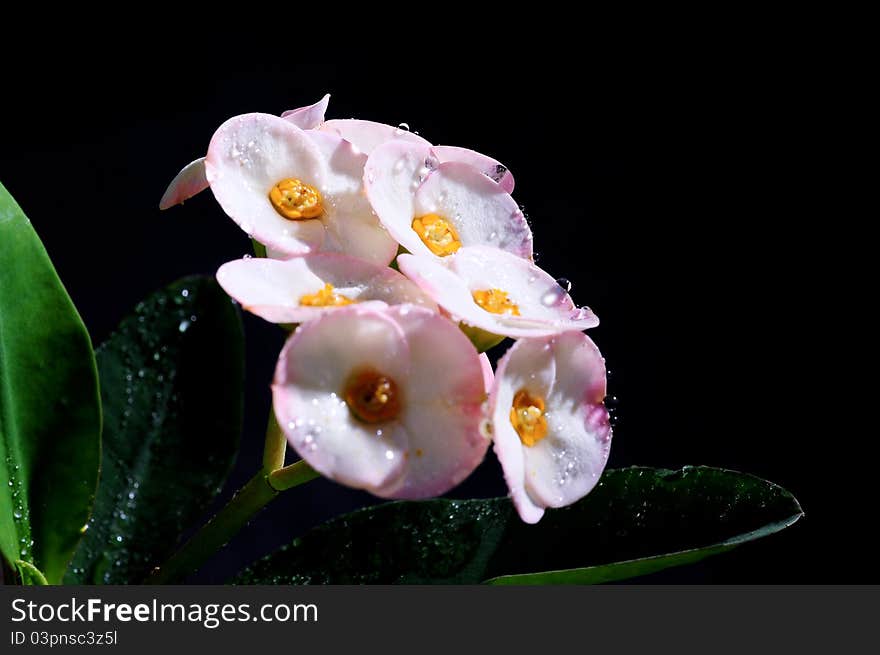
<point x="635" y="521"/>
<point x="30" y="574"/>
<point x="50" y="411"/>
<point x="172" y="378"/>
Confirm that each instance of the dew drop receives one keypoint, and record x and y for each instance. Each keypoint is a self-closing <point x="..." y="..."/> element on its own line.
<point x="401" y="128"/>
<point x="552" y="297"/>
<point x="565" y="283"/>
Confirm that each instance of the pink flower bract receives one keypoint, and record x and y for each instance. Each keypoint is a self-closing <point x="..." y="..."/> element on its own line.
<point x="435" y="387"/>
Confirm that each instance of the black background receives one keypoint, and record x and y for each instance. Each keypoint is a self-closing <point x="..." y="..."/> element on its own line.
<point x="671" y="180"/>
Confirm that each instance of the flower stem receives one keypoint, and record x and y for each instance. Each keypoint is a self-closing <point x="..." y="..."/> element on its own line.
<point x="262" y="489"/>
<point x="292" y="476"/>
<point x="276" y="446"/>
<point x="252" y="497"/>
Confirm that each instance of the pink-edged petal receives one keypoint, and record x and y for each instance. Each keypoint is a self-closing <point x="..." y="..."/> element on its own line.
<point x="367" y="135"/>
<point x="248" y="155"/>
<point x="545" y="308"/>
<point x="534" y="369"/>
<point x="188" y="182"/>
<point x="392" y="174"/>
<point x="565" y="466"/>
<point x="444" y="398"/>
<point x="568" y="371"/>
<point x="351" y="225"/>
<point x="482" y="213"/>
<point x="308" y="391"/>
<point x="527" y="365"/>
<point x="446" y="366"/>
<point x="510" y="455"/>
<point x="308" y="118"/>
<point x="492" y="168"/>
<point x="272" y="289"/>
<point x="488" y="373"/>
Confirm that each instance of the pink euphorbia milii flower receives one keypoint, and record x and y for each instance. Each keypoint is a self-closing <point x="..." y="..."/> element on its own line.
<point x="303" y="288"/>
<point x="191" y="179"/>
<point x="364" y="135"/>
<point x="497" y="292"/>
<point x="549" y="424"/>
<point x="388" y="401"/>
<point x="293" y="191"/>
<point x="433" y="208"/>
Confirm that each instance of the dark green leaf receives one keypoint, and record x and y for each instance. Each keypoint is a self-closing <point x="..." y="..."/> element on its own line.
<point x="50" y="412"/>
<point x="172" y="377"/>
<point x="671" y="517"/>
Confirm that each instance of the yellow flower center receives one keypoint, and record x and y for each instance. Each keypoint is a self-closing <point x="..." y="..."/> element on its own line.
<point x="372" y="397"/>
<point x="326" y="297"/>
<point x="495" y="301"/>
<point x="527" y="417"/>
<point x="437" y="233"/>
<point x="296" y="200"/>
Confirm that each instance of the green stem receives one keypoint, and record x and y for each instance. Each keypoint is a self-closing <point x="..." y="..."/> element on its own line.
<point x="276" y="446"/>
<point x="252" y="497"/>
<point x="292" y="476"/>
<point x="256" y="494"/>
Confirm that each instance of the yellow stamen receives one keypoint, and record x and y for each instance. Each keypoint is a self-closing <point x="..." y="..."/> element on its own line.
<point x="495" y="301"/>
<point x="325" y="297"/>
<point x="296" y="200"/>
<point x="372" y="397"/>
<point x="527" y="417"/>
<point x="437" y="233"/>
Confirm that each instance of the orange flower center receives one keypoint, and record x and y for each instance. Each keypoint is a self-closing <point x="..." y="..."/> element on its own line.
<point x="437" y="233"/>
<point x="325" y="297"/>
<point x="372" y="397"/>
<point x="528" y="418"/>
<point x="495" y="301"/>
<point x="296" y="200"/>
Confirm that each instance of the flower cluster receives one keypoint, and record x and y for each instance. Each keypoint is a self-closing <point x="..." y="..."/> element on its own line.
<point x="398" y="259"/>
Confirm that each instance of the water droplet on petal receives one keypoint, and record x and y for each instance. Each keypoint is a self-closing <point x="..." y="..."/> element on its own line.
<point x="552" y="296"/>
<point x="565" y="283"/>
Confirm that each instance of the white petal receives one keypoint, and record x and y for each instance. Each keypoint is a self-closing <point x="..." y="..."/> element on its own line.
<point x="351" y="226"/>
<point x="367" y="135"/>
<point x="307" y="118"/>
<point x="481" y="211"/>
<point x="308" y="391"/>
<point x="187" y="183"/>
<point x="568" y="372"/>
<point x="391" y="176"/>
<point x="509" y="451"/>
<point x="444" y="398"/>
<point x="272" y="289"/>
<point x="567" y="464"/>
<point x="492" y="168"/>
<point x="329" y="348"/>
<point x="544" y="307"/>
<point x="248" y="155"/>
<point x="488" y="373"/>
